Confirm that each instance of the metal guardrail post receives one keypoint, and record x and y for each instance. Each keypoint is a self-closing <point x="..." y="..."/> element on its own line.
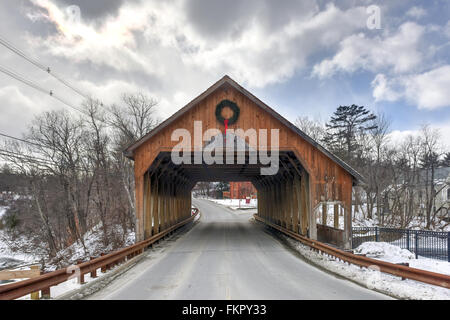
<point x="45" y="293"/>
<point x="376" y="234"/>
<point x="93" y="272"/>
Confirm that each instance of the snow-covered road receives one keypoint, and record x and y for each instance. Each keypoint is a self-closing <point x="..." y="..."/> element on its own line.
<point x="226" y="256"/>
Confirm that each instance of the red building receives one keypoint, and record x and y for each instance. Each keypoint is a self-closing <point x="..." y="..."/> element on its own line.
<point x="241" y="190"/>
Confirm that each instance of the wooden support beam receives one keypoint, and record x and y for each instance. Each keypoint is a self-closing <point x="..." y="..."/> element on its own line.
<point x="155" y="212"/>
<point x="304" y="206"/>
<point x="336" y="216"/>
<point x="147" y="207"/>
<point x="324" y="213"/>
<point x="297" y="205"/>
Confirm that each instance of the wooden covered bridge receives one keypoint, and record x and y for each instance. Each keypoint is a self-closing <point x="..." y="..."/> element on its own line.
<point x="308" y="178"/>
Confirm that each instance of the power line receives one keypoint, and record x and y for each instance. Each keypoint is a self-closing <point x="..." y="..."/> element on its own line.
<point x="40" y="66"/>
<point x="22" y="157"/>
<point x="19" y="156"/>
<point x="43" y="90"/>
<point x="46" y="69"/>
<point x="22" y="140"/>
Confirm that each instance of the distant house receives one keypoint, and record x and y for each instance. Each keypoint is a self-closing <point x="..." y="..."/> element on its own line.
<point x="442" y="180"/>
<point x="417" y="192"/>
<point x="241" y="190"/>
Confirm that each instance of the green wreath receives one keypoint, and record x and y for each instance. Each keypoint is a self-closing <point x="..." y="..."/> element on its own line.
<point x="233" y="106"/>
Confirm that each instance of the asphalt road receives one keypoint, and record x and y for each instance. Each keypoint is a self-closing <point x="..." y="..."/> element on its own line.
<point x="225" y="256"/>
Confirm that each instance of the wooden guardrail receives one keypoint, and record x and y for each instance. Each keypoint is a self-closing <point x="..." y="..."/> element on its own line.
<point x="45" y="281"/>
<point x="433" y="278"/>
<point x="33" y="272"/>
<point x="20" y="274"/>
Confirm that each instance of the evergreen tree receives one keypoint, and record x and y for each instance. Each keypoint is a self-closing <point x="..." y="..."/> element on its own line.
<point x="446" y="161"/>
<point x="220" y="187"/>
<point x="345" y="125"/>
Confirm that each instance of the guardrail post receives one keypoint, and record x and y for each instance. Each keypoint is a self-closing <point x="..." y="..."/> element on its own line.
<point x="45" y="293"/>
<point x="81" y="277"/>
<point x="34" y="295"/>
<point x="376" y="234"/>
<point x="416" y="244"/>
<point x="93" y="272"/>
<point x="103" y="268"/>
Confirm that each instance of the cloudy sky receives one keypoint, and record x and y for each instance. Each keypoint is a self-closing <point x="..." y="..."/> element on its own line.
<point x="300" y="57"/>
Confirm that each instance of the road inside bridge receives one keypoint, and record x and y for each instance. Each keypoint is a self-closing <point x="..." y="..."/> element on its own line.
<point x="226" y="256"/>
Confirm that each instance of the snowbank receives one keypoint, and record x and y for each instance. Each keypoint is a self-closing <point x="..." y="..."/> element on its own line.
<point x="372" y="278"/>
<point x="384" y="251"/>
<point x="236" y="204"/>
<point x="391" y="253"/>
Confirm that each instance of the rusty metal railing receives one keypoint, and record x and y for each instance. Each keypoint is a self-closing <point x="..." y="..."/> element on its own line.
<point x="433" y="278"/>
<point x="44" y="282"/>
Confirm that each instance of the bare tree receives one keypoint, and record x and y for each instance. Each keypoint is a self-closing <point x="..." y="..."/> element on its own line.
<point x="134" y="118"/>
<point x="313" y="128"/>
<point x="431" y="151"/>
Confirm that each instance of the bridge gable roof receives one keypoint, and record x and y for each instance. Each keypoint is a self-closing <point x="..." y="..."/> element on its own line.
<point x="224" y="81"/>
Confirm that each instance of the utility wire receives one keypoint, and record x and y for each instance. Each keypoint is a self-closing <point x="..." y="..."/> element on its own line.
<point x="43" y="90"/>
<point x="47" y="69"/>
<point x="19" y="156"/>
<point x="40" y="66"/>
<point x="22" y="140"/>
<point x="22" y="157"/>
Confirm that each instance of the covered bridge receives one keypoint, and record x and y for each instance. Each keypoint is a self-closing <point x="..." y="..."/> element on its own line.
<point x="308" y="177"/>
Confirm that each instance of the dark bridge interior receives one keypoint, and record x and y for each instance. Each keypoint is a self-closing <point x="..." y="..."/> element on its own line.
<point x="283" y="198"/>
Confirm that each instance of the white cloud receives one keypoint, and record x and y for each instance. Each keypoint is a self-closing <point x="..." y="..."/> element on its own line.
<point x="257" y="56"/>
<point x="398" y="51"/>
<point x="157" y="48"/>
<point x="429" y="90"/>
<point x="416" y="12"/>
<point x="397" y="137"/>
<point x="383" y="89"/>
<point x="15" y="105"/>
<point x="447" y="29"/>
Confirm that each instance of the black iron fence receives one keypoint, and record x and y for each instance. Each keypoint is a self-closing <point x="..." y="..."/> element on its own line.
<point x="430" y="244"/>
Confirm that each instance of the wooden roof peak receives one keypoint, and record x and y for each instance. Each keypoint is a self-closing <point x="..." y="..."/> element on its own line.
<point x="227" y="80"/>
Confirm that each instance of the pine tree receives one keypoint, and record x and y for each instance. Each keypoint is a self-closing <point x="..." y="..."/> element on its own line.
<point x="345" y="124"/>
<point x="446" y="161"/>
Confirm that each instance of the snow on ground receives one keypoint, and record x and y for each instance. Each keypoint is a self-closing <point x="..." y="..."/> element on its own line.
<point x="237" y="203"/>
<point x="387" y="252"/>
<point x="93" y="246"/>
<point x="384" y="251"/>
<point x="75" y="251"/>
<point x="3" y="210"/>
<point x="372" y="278"/>
<point x="11" y="258"/>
